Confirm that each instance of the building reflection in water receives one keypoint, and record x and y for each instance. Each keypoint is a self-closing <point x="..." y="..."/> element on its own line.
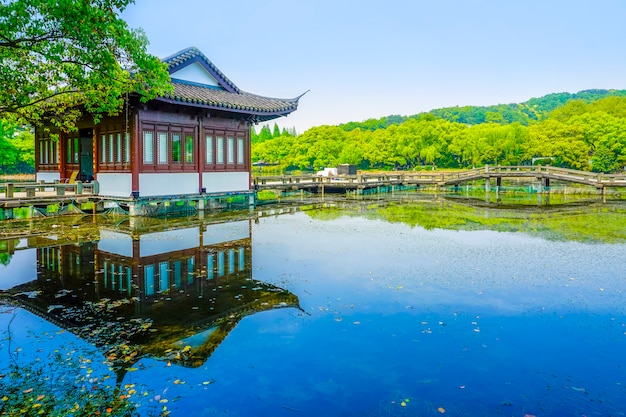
<point x="147" y="287"/>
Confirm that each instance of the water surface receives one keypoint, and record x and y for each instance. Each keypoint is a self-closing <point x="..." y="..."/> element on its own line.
<point x="364" y="310"/>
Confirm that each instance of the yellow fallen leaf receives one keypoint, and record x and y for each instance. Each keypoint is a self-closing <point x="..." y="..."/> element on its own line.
<point x="403" y="404"/>
<point x="441" y="410"/>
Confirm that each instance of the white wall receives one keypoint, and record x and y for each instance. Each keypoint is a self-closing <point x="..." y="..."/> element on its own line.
<point x="149" y="243"/>
<point x="168" y="184"/>
<point x="48" y="176"/>
<point x="115" y="242"/>
<point x="226" y="232"/>
<point x="195" y="73"/>
<point x="170" y="241"/>
<point x="222" y="182"/>
<point x="115" y="184"/>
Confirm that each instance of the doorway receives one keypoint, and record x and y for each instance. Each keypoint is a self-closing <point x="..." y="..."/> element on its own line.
<point x="86" y="155"/>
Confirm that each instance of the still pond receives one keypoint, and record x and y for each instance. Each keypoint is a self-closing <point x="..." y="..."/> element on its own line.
<point x="355" y="309"/>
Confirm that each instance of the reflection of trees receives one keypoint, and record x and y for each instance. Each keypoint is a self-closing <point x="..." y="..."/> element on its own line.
<point x="7" y="249"/>
<point x="604" y="223"/>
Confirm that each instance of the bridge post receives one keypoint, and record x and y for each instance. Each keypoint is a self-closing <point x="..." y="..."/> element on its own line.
<point x="487" y="185"/>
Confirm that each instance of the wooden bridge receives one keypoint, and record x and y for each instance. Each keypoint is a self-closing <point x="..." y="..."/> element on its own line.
<point x="67" y="196"/>
<point x="362" y="181"/>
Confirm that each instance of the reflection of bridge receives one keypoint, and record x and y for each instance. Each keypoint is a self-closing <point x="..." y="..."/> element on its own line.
<point x="363" y="181"/>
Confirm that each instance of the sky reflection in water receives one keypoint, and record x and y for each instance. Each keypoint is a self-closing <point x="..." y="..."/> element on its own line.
<point x="398" y="320"/>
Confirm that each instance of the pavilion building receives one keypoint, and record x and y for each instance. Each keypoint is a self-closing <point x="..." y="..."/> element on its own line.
<point x="192" y="144"/>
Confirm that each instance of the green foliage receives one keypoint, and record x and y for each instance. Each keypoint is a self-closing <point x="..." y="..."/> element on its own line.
<point x="580" y="134"/>
<point x="59" y="57"/>
<point x="607" y="225"/>
<point x="17" y="149"/>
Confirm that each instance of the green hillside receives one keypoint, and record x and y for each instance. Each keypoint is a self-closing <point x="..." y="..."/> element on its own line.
<point x="585" y="131"/>
<point x="534" y="109"/>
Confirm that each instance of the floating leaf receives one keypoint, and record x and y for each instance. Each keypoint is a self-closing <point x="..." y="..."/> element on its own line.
<point x="441" y="410"/>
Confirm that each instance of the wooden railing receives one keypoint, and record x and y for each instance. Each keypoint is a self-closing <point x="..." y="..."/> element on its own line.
<point x="13" y="190"/>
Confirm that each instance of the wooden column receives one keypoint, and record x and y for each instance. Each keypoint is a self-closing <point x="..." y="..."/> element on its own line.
<point x="201" y="150"/>
<point x="94" y="151"/>
<point x="135" y="159"/>
<point x="62" y="152"/>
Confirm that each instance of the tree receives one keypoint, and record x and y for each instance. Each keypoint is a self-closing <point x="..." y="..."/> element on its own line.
<point x="59" y="57"/>
<point x="276" y="131"/>
<point x="264" y="134"/>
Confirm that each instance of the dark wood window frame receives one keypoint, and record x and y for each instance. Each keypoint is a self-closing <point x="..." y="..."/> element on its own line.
<point x="225" y="150"/>
<point x="47" y="153"/>
<point x="174" y="147"/>
<point x="113" y="148"/>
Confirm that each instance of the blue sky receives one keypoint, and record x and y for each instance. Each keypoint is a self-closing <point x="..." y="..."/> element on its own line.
<point x="367" y="59"/>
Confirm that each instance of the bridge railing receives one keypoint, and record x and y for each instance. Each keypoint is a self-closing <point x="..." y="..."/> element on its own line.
<point x="445" y="177"/>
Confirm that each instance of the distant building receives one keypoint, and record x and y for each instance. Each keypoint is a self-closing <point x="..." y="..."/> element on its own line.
<point x="195" y="141"/>
<point x="346" y="169"/>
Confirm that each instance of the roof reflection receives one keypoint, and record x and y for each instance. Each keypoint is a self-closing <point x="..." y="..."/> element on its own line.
<point x="171" y="291"/>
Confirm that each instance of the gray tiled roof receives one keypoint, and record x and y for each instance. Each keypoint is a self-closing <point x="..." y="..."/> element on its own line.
<point x="218" y="98"/>
<point x="227" y="97"/>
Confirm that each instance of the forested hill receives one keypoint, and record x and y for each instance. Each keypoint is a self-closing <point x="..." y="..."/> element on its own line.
<point x="585" y="131"/>
<point x="534" y="109"/>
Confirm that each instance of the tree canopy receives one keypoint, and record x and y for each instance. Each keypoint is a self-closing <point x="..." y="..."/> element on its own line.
<point x="61" y="56"/>
<point x="528" y="112"/>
